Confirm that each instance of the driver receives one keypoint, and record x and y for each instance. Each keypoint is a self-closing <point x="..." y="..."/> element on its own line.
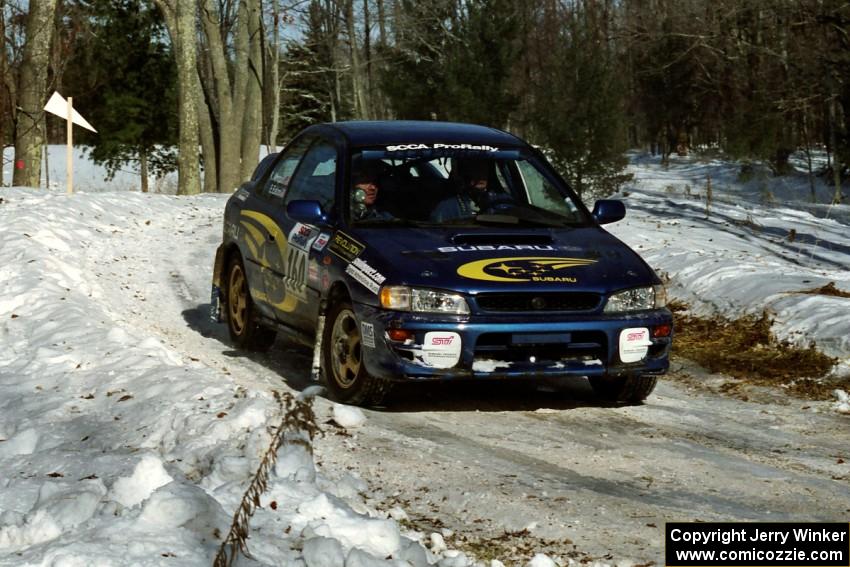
<point x="365" y="187"/>
<point x="472" y="176"/>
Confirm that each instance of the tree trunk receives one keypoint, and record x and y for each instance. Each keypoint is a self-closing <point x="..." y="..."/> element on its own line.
<point x="807" y="141"/>
<point x="271" y="85"/>
<point x="382" y="26"/>
<point x="836" y="160"/>
<point x="179" y="17"/>
<point x="188" y="168"/>
<point x="367" y="54"/>
<point x="207" y="137"/>
<point x="3" y="98"/>
<point x="252" y="116"/>
<point x="360" y="110"/>
<point x="229" y="140"/>
<point x="236" y="86"/>
<point x="32" y="94"/>
<point x="143" y="169"/>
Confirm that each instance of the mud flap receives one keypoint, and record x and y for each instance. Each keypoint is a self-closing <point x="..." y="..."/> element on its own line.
<point x="316" y="369"/>
<point x="215" y="295"/>
<point x="215" y="305"/>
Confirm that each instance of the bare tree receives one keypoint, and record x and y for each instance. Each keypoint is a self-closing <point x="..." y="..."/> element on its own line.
<point x="234" y="86"/>
<point x="32" y="93"/>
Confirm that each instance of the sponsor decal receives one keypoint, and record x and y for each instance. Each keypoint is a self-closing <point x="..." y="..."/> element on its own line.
<point x="523" y="269"/>
<point x="313" y="275"/>
<point x="321" y="241"/>
<point x="242" y="194"/>
<point x="295" y="276"/>
<point x="367" y="331"/>
<point x="345" y="246"/>
<point x="231" y="229"/>
<point x="634" y="344"/>
<point x="301" y="236"/>
<point x="494" y="248"/>
<point x="368" y="270"/>
<point x="276" y="189"/>
<point x="441" y="349"/>
<point x="468" y="147"/>
<point x="365" y="274"/>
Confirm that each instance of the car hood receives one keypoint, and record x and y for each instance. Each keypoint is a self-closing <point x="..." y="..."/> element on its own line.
<point x="576" y="259"/>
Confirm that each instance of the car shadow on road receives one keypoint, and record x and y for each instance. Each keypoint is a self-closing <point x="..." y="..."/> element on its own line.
<point x="292" y="362"/>
<point x="492" y="396"/>
<point x="287" y="359"/>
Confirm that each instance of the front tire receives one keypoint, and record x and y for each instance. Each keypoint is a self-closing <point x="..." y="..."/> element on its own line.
<point x="629" y="389"/>
<point x="243" y="321"/>
<point x="342" y="356"/>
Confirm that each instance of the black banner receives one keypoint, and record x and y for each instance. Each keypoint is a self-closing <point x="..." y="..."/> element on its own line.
<point x="757" y="544"/>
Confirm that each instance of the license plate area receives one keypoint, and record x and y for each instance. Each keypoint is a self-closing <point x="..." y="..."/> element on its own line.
<point x="523" y="339"/>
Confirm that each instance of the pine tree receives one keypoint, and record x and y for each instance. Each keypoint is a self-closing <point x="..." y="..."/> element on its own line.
<point x="131" y="92"/>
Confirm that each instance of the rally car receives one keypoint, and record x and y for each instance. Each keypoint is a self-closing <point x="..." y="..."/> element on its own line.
<point x="435" y="251"/>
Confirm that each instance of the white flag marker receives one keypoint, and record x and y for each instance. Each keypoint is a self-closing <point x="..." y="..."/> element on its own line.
<point x="58" y="105"/>
<point x="65" y="109"/>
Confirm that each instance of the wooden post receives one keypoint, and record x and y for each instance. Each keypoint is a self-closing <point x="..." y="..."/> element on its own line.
<point x="70" y="164"/>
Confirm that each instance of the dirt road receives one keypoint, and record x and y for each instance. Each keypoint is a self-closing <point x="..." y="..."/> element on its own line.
<point x="517" y="471"/>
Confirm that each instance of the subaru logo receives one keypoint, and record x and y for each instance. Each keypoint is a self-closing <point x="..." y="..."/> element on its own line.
<point x="538" y="303"/>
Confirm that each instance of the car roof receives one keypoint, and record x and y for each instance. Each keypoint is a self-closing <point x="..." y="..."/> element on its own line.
<point x="382" y="132"/>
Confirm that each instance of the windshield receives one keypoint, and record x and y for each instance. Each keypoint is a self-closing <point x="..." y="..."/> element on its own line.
<point x="419" y="185"/>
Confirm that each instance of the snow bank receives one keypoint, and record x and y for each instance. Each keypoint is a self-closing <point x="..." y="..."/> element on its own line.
<point x="758" y="247"/>
<point x="118" y="444"/>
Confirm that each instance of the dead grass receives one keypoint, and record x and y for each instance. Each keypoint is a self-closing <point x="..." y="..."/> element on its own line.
<point x="298" y="427"/>
<point x="828" y="289"/>
<point x="745" y="348"/>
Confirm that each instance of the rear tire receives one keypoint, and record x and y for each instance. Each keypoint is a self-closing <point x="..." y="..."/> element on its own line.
<point x="342" y="359"/>
<point x="243" y="321"/>
<point x="629" y="389"/>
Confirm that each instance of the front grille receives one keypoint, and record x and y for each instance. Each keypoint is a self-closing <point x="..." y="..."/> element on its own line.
<point x="544" y="347"/>
<point x="552" y="301"/>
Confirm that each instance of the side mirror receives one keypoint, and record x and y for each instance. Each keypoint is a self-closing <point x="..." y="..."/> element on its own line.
<point x="606" y="211"/>
<point x="307" y="212"/>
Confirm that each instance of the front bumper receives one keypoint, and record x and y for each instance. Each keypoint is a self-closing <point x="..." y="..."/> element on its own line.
<point x="550" y="345"/>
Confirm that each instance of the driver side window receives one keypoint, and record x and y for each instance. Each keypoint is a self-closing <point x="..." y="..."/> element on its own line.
<point x="315" y="179"/>
<point x="280" y="179"/>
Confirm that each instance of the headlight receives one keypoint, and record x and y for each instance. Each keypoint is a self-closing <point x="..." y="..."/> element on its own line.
<point x="637" y="299"/>
<point x="403" y="298"/>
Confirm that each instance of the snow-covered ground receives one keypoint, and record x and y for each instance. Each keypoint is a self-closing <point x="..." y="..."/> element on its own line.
<point x="130" y="428"/>
<point x="757" y="246"/>
<point x="118" y="448"/>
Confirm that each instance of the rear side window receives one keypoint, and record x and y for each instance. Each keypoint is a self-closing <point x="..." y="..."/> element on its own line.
<point x="281" y="177"/>
<point x="315" y="179"/>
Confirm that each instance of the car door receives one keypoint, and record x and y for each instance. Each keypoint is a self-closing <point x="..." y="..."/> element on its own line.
<point x="298" y="267"/>
<point x="264" y="240"/>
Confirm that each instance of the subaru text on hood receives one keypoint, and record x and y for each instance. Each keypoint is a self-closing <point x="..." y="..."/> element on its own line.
<point x="426" y="250"/>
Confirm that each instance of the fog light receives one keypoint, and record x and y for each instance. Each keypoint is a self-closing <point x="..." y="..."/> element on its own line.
<point x="662" y="331"/>
<point x="400" y="335"/>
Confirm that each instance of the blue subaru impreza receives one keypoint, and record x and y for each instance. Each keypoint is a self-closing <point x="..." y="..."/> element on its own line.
<point x="434" y="251"/>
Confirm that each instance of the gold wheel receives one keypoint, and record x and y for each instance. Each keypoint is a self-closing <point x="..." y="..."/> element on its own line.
<point x="346" y="356"/>
<point x="237" y="299"/>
